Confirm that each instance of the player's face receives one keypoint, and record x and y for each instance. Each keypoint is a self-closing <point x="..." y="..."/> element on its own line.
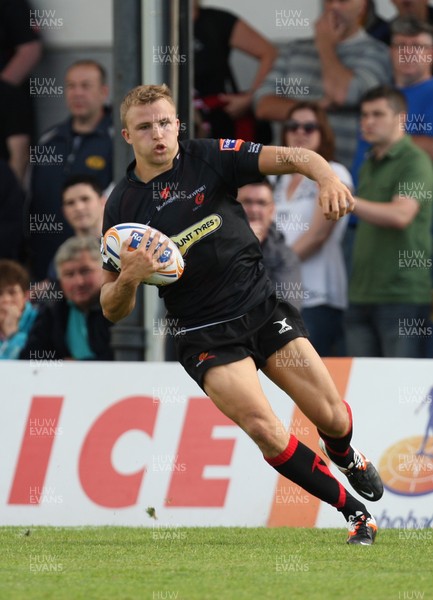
<point x="81" y="279"/>
<point x="152" y="130"/>
<point x="258" y="203"/>
<point x="412" y="57"/>
<point x="84" y="91"/>
<point x="82" y="207"/>
<point x="379" y="122"/>
<point x="303" y="131"/>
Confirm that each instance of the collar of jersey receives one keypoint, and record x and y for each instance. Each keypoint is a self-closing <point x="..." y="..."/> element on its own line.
<point x="132" y="176"/>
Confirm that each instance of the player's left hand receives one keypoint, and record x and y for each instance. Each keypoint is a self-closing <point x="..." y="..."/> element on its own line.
<point x="335" y="198"/>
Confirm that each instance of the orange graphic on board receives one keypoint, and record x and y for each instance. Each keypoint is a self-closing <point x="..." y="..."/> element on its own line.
<point x="406" y="467"/>
<point x="404" y="471"/>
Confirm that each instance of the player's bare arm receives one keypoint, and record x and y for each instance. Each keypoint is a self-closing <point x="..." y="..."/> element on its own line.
<point x="335" y="198"/>
<point x="118" y="291"/>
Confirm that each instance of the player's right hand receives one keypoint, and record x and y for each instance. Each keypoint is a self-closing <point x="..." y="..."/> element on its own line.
<point x="335" y="198"/>
<point x="139" y="264"/>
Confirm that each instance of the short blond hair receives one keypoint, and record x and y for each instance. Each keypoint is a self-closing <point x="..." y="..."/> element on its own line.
<point x="144" y="94"/>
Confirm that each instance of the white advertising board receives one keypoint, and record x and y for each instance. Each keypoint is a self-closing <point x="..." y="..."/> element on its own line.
<point x="140" y="444"/>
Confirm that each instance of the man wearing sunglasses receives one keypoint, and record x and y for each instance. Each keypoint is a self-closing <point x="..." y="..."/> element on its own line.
<point x="335" y="67"/>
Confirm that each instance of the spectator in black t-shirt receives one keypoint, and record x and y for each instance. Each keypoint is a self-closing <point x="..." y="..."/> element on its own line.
<point x="226" y="109"/>
<point x="20" y="51"/>
<point x="11" y="214"/>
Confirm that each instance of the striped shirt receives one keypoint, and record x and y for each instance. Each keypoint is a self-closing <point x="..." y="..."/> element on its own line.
<point x="297" y="74"/>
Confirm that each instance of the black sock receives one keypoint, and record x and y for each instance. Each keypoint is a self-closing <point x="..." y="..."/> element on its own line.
<point x="304" y="467"/>
<point x="339" y="449"/>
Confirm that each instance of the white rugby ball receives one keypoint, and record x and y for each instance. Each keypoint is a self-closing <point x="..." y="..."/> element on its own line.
<point x="116" y="235"/>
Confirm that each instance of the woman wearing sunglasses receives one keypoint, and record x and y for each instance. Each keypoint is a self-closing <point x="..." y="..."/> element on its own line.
<point x="315" y="240"/>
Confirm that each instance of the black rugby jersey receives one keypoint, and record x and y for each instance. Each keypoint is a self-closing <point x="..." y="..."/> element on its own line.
<point x="194" y="203"/>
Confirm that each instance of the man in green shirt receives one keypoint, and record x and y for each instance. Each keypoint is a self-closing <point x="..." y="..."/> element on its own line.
<point x="390" y="284"/>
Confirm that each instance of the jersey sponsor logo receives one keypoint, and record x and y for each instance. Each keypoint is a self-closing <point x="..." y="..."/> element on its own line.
<point x="284" y="326"/>
<point x="197" y="192"/>
<point x="169" y="200"/>
<point x="198" y="196"/>
<point x="96" y="162"/>
<point x="228" y="144"/>
<point x="194" y="233"/>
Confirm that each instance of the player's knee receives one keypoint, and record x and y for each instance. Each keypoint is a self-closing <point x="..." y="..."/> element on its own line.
<point x="262" y="429"/>
<point x="340" y="421"/>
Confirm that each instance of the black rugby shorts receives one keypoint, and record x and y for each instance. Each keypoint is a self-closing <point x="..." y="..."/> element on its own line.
<point x="259" y="333"/>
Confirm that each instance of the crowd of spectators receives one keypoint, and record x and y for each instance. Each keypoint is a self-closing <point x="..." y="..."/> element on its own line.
<point x="358" y="91"/>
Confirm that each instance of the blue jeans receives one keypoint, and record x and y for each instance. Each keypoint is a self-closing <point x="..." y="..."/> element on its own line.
<point x="388" y="330"/>
<point x="325" y="329"/>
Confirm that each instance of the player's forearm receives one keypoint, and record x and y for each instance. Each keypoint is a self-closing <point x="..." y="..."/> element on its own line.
<point x="334" y="197"/>
<point x="118" y="299"/>
<point x="281" y="160"/>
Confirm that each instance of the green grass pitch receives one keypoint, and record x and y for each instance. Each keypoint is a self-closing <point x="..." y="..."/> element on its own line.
<point x="162" y="563"/>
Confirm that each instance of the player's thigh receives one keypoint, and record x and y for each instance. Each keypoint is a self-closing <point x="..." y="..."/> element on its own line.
<point x="236" y="390"/>
<point x="300" y="372"/>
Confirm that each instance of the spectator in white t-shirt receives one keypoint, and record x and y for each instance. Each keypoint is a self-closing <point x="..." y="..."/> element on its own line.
<point x="314" y="239"/>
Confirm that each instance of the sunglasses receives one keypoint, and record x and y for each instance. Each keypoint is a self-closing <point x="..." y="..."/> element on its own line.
<point x="309" y="127"/>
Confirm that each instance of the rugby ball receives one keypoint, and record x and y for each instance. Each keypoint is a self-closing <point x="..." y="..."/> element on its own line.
<point x="116" y="235"/>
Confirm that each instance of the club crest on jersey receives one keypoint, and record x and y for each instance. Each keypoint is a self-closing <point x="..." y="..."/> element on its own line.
<point x="227" y="144"/>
